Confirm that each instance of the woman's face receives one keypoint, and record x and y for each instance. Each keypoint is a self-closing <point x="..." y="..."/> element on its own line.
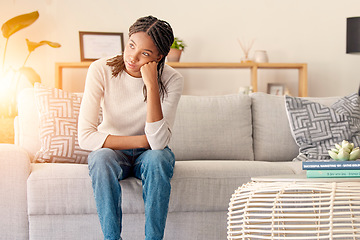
<point x="139" y="50"/>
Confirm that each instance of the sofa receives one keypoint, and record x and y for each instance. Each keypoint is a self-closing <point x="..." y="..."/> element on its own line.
<point x="220" y="142"/>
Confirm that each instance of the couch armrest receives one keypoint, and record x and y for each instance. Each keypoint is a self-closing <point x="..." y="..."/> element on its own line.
<point x="14" y="171"/>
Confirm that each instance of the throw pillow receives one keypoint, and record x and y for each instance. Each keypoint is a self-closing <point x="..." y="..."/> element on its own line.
<point x="316" y="128"/>
<point x="58" y="113"/>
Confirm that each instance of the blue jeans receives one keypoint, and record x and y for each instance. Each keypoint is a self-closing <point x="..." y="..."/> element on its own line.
<point x="154" y="167"/>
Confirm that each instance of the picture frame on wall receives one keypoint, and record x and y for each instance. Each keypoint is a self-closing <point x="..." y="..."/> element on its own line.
<point x="95" y="45"/>
<point x="276" y="89"/>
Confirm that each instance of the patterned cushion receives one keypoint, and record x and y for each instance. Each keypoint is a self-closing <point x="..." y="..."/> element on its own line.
<point x="316" y="128"/>
<point x="58" y="113"/>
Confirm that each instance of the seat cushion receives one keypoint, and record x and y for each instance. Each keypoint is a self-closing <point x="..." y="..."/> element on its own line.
<point x="65" y="189"/>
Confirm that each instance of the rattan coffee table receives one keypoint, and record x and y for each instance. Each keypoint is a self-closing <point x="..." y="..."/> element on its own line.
<point x="295" y="207"/>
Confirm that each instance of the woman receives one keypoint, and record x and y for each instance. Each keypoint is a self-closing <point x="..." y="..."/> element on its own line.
<point x="138" y="95"/>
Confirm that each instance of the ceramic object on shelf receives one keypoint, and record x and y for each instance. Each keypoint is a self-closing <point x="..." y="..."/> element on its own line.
<point x="174" y="55"/>
<point x="260" y="56"/>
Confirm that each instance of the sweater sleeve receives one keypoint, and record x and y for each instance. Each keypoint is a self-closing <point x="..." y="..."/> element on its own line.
<point x="89" y="136"/>
<point x="159" y="133"/>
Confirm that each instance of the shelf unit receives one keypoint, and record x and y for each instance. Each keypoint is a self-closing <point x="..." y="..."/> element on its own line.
<point x="301" y="67"/>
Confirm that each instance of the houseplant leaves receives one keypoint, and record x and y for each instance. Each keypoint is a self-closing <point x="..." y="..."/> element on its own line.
<point x="10" y="27"/>
<point x="19" y="22"/>
<point x="33" y="45"/>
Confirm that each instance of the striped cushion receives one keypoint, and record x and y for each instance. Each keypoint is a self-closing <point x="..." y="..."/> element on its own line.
<point x="58" y="113"/>
<point x="316" y="128"/>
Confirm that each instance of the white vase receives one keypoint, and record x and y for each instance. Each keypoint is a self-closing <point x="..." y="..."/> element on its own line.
<point x="260" y="56"/>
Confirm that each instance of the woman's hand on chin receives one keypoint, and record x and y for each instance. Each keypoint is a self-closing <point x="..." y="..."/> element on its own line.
<point x="149" y="73"/>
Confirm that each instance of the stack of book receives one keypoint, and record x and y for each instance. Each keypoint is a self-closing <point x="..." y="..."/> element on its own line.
<point x="332" y="169"/>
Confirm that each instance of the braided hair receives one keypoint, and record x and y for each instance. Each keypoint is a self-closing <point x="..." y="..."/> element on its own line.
<point x="161" y="34"/>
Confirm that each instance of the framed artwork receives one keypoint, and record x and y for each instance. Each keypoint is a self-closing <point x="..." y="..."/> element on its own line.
<point x="275" y="89"/>
<point x="95" y="45"/>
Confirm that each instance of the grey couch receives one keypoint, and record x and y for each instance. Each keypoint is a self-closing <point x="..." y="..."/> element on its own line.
<point x="220" y="142"/>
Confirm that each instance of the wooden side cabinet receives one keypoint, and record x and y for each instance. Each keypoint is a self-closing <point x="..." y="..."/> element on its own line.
<point x="301" y="67"/>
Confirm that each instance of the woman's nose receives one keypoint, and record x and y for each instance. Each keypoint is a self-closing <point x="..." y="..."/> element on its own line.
<point x="133" y="58"/>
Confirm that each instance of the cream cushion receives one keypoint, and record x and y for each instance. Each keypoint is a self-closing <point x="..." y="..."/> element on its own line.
<point x="213" y="127"/>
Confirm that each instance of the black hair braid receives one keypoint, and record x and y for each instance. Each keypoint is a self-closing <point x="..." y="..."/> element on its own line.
<point x="161" y="34"/>
<point x="117" y="64"/>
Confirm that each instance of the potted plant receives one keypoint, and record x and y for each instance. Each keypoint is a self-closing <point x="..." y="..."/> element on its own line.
<point x="176" y="49"/>
<point x="10" y="76"/>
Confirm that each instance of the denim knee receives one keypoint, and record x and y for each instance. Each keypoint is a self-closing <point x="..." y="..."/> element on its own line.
<point x="162" y="161"/>
<point x="106" y="162"/>
<point x="100" y="157"/>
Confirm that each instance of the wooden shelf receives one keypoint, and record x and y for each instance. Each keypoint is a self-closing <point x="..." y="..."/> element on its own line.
<point x="301" y="67"/>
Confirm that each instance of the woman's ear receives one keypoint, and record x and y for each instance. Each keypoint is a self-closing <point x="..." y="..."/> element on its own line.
<point x="159" y="58"/>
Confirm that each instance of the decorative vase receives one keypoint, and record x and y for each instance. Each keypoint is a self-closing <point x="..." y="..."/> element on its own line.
<point x="174" y="55"/>
<point x="260" y="56"/>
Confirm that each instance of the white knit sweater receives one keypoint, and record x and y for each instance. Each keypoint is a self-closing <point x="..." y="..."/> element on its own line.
<point x="124" y="110"/>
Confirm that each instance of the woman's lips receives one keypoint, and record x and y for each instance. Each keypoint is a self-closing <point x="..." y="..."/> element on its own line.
<point x="132" y="66"/>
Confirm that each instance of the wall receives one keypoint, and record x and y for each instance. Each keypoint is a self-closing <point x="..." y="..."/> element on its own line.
<point x="291" y="31"/>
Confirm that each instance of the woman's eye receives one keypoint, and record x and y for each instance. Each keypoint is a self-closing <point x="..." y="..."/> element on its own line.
<point x="131" y="46"/>
<point x="146" y="54"/>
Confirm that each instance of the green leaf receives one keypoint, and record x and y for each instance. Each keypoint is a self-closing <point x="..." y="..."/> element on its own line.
<point x="178" y="44"/>
<point x="19" y="22"/>
<point x="33" y="45"/>
<point x="30" y="74"/>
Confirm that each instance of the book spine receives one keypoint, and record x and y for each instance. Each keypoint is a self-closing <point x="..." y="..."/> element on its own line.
<point x="346" y="165"/>
<point x="333" y="173"/>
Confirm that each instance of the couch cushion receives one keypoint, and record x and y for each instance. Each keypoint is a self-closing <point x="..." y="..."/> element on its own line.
<point x="217" y="127"/>
<point x="59" y="111"/>
<point x="208" y="185"/>
<point x="65" y="189"/>
<point x="273" y="140"/>
<point x="317" y="128"/>
<point x="27" y="131"/>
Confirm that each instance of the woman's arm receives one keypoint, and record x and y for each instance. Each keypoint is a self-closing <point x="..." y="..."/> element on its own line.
<point x="149" y="74"/>
<point x="126" y="142"/>
<point x="88" y="135"/>
<point x="161" y="115"/>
